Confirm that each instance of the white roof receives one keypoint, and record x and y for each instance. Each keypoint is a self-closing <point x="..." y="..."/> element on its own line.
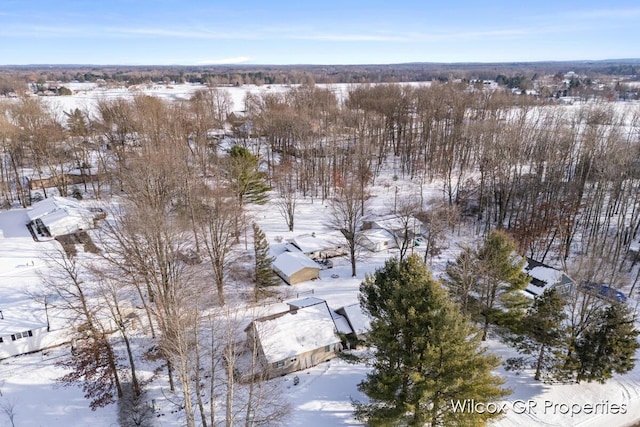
<point x="395" y="223"/>
<point x="61" y="215"/>
<point x="290" y="263"/>
<point x="19" y="317"/>
<point x="342" y="325"/>
<point x="308" y="243"/>
<point x="50" y="205"/>
<point x="359" y="321"/>
<point x="305" y="302"/>
<point x="550" y="276"/>
<point x="295" y="332"/>
<point x="375" y="235"/>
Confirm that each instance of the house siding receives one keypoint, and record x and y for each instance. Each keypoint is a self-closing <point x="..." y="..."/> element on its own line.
<point x="304" y="275"/>
<point x="302" y="361"/>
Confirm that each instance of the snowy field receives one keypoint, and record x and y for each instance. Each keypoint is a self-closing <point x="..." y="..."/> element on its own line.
<point x="323" y="396"/>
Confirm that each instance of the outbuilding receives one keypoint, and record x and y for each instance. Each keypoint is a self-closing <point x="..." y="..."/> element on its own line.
<point x="295" y="267"/>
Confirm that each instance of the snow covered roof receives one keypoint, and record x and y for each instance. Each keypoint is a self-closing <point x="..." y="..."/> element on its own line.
<point x="291" y="262"/>
<point x="19" y="317"/>
<point x="341" y="322"/>
<point x="543" y="277"/>
<point x="394" y="223"/>
<point x="375" y="235"/>
<point x="359" y="321"/>
<point x="52" y="204"/>
<point x="309" y="243"/>
<point x="295" y="332"/>
<point x="61" y="215"/>
<point x="305" y="302"/>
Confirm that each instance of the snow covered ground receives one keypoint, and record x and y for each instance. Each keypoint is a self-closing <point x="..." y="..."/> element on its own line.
<point x="323" y="396"/>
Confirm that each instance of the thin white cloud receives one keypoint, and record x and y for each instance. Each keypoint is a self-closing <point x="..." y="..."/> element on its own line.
<point x="268" y="34"/>
<point x="236" y="60"/>
<point x="628" y="13"/>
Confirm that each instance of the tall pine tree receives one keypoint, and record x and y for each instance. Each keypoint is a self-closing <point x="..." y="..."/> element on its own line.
<point x="246" y="181"/>
<point x="427" y="354"/>
<point x="501" y="276"/>
<point x="541" y="334"/>
<point x="608" y="346"/>
<point x="264" y="275"/>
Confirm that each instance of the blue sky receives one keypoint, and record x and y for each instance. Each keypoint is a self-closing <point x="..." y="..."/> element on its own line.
<point x="197" y="32"/>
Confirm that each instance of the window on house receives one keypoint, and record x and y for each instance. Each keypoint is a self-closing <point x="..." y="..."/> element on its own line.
<point x="30" y="333"/>
<point x="1" y="340"/>
<point x="26" y="334"/>
<point x="327" y="348"/>
<point x="13" y="337"/>
<point x="279" y="364"/>
<point x="293" y="359"/>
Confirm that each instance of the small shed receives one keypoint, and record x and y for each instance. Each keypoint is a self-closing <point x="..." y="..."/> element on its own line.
<point x="295" y="267"/>
<point x="295" y="339"/>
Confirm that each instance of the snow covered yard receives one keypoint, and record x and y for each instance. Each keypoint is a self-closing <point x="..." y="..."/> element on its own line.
<point x="324" y="394"/>
<point x="28" y="385"/>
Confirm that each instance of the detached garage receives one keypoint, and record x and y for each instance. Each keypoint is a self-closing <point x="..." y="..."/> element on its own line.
<point x="295" y="267"/>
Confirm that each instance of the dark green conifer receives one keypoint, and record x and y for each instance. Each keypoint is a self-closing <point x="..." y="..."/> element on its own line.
<point x="264" y="275"/>
<point x="427" y="354"/>
<point x="608" y="346"/>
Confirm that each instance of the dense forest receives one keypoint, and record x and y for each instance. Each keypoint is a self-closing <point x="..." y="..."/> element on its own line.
<point x="298" y="74"/>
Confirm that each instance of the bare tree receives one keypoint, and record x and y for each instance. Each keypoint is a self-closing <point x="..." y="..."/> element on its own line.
<point x="93" y="362"/>
<point x="217" y="219"/>
<point x="404" y="227"/>
<point x="286" y="185"/>
<point x="9" y="409"/>
<point x="347" y="213"/>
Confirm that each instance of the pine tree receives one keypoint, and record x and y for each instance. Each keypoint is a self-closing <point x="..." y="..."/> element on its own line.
<point x="264" y="275"/>
<point x="426" y="351"/>
<point x="501" y="279"/>
<point x="247" y="182"/>
<point x="609" y="346"/>
<point x="540" y="333"/>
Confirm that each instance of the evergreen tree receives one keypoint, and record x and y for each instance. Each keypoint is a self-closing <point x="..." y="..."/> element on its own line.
<point x="246" y="181"/>
<point x="427" y="354"/>
<point x="501" y="279"/>
<point x="609" y="346"/>
<point x="264" y="275"/>
<point x="540" y="334"/>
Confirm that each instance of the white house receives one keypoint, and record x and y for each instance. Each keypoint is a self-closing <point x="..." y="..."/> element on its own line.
<point x="56" y="216"/>
<point x="377" y="240"/>
<point x="295" y="267"/>
<point x="25" y="330"/>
